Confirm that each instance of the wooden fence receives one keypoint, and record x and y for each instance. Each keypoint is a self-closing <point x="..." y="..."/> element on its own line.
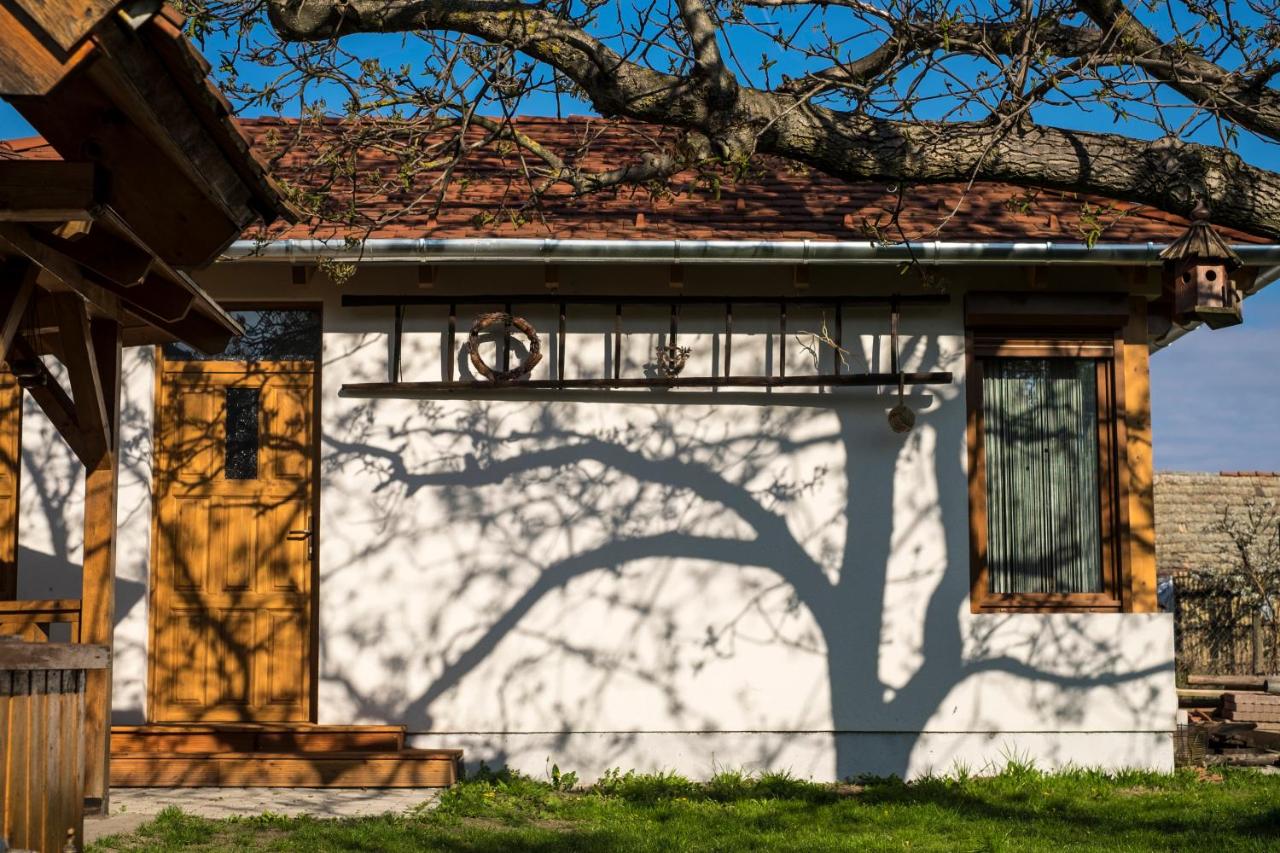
<point x="1214" y="632"/>
<point x="42" y="753"/>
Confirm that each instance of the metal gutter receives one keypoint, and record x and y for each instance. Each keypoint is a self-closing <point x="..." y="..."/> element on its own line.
<point x="520" y="250"/>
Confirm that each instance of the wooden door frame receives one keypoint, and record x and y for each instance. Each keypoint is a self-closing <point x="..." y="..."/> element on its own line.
<point x="313" y="647"/>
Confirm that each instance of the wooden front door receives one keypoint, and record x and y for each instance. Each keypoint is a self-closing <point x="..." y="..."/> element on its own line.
<point x="231" y="636"/>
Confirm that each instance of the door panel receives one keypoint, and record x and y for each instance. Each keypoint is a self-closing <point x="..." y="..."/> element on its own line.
<point x="289" y="408"/>
<point x="286" y="636"/>
<point x="234" y="559"/>
<point x="189" y="535"/>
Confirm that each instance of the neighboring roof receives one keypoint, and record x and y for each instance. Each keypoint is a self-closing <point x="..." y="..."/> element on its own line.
<point x="1187" y="505"/>
<point x="27" y="148"/>
<point x="777" y="201"/>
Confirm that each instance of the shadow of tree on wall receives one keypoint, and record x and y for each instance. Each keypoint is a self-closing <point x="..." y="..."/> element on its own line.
<point x="52" y="500"/>
<point x="535" y="500"/>
<point x="482" y="535"/>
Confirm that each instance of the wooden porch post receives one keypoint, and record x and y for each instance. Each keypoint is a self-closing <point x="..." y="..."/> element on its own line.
<point x="1141" y="537"/>
<point x="98" y="597"/>
<point x="10" y="482"/>
<point x="17" y="284"/>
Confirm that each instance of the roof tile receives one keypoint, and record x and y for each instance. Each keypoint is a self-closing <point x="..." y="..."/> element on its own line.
<point x="777" y="200"/>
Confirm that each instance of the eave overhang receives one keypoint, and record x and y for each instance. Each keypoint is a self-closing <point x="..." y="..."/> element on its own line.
<point x="52" y="215"/>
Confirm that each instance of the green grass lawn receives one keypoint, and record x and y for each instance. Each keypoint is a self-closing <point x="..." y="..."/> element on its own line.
<point x="1019" y="810"/>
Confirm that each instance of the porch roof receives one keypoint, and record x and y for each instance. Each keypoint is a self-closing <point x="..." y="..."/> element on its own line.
<point x="126" y="109"/>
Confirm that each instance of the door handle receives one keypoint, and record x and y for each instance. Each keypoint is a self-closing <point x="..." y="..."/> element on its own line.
<point x="306" y="534"/>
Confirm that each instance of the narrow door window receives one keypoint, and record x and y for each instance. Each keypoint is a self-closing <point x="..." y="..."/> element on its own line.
<point x="241" y="453"/>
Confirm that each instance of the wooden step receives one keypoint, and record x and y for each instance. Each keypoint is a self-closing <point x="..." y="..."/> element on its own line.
<point x="206" y="738"/>
<point x="405" y="768"/>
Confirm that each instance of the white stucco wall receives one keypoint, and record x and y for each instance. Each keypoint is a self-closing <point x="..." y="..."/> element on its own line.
<point x="682" y="581"/>
<point x="696" y="580"/>
<point x="51" y="523"/>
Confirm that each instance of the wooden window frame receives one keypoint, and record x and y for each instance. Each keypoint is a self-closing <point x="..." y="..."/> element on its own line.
<point x="1107" y="349"/>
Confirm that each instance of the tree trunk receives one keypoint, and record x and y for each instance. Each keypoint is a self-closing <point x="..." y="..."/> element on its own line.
<point x="1257" y="638"/>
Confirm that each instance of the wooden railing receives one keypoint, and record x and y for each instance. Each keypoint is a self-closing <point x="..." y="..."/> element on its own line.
<point x="42" y="764"/>
<point x="31" y="620"/>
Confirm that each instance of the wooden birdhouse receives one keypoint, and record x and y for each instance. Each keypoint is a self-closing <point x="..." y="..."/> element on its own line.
<point x="1197" y="275"/>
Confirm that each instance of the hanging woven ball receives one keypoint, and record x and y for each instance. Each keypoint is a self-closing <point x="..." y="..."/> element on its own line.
<point x="901" y="418"/>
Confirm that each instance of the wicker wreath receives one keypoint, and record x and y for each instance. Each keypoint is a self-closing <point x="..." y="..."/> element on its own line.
<point x="522" y="369"/>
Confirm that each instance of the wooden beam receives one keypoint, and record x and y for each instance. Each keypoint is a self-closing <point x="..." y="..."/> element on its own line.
<point x="97" y="620"/>
<point x="117" y="260"/>
<point x="66" y="22"/>
<point x="409" y="768"/>
<point x="164" y="297"/>
<point x="47" y="190"/>
<point x="46" y="656"/>
<point x="53" y="401"/>
<point x="29" y="65"/>
<point x="17" y="239"/>
<point x="1140" y="498"/>
<point x="18" y="279"/>
<point x="87" y="390"/>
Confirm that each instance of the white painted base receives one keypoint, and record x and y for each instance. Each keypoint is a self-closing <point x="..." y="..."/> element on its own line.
<point x="821" y="756"/>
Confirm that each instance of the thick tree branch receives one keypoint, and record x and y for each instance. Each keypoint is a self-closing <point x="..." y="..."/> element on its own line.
<point x="702" y="36"/>
<point x="1167" y="174"/>
<point x="1170" y="175"/>
<point x="1118" y="40"/>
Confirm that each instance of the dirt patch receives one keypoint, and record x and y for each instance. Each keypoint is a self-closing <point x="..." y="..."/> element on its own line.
<point x="1136" y="791"/>
<point x="489" y="823"/>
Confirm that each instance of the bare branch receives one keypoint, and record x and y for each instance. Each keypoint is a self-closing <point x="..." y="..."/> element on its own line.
<point x="1169" y="175"/>
<point x="1194" y="76"/>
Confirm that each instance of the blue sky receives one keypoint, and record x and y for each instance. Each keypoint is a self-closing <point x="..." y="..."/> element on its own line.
<point x="1215" y="395"/>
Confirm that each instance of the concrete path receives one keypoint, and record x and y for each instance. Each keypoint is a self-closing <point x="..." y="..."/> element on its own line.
<point x="132" y="807"/>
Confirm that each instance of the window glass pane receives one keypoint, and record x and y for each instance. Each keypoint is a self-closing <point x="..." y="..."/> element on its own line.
<point x="1044" y="518"/>
<point x="270" y="334"/>
<point x="241" y="455"/>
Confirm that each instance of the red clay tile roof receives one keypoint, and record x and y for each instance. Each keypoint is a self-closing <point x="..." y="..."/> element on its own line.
<point x="1188" y="503"/>
<point x="30" y="148"/>
<point x="777" y="201"/>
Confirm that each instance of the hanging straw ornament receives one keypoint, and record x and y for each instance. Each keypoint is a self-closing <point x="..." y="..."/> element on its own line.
<point x="901" y="417"/>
